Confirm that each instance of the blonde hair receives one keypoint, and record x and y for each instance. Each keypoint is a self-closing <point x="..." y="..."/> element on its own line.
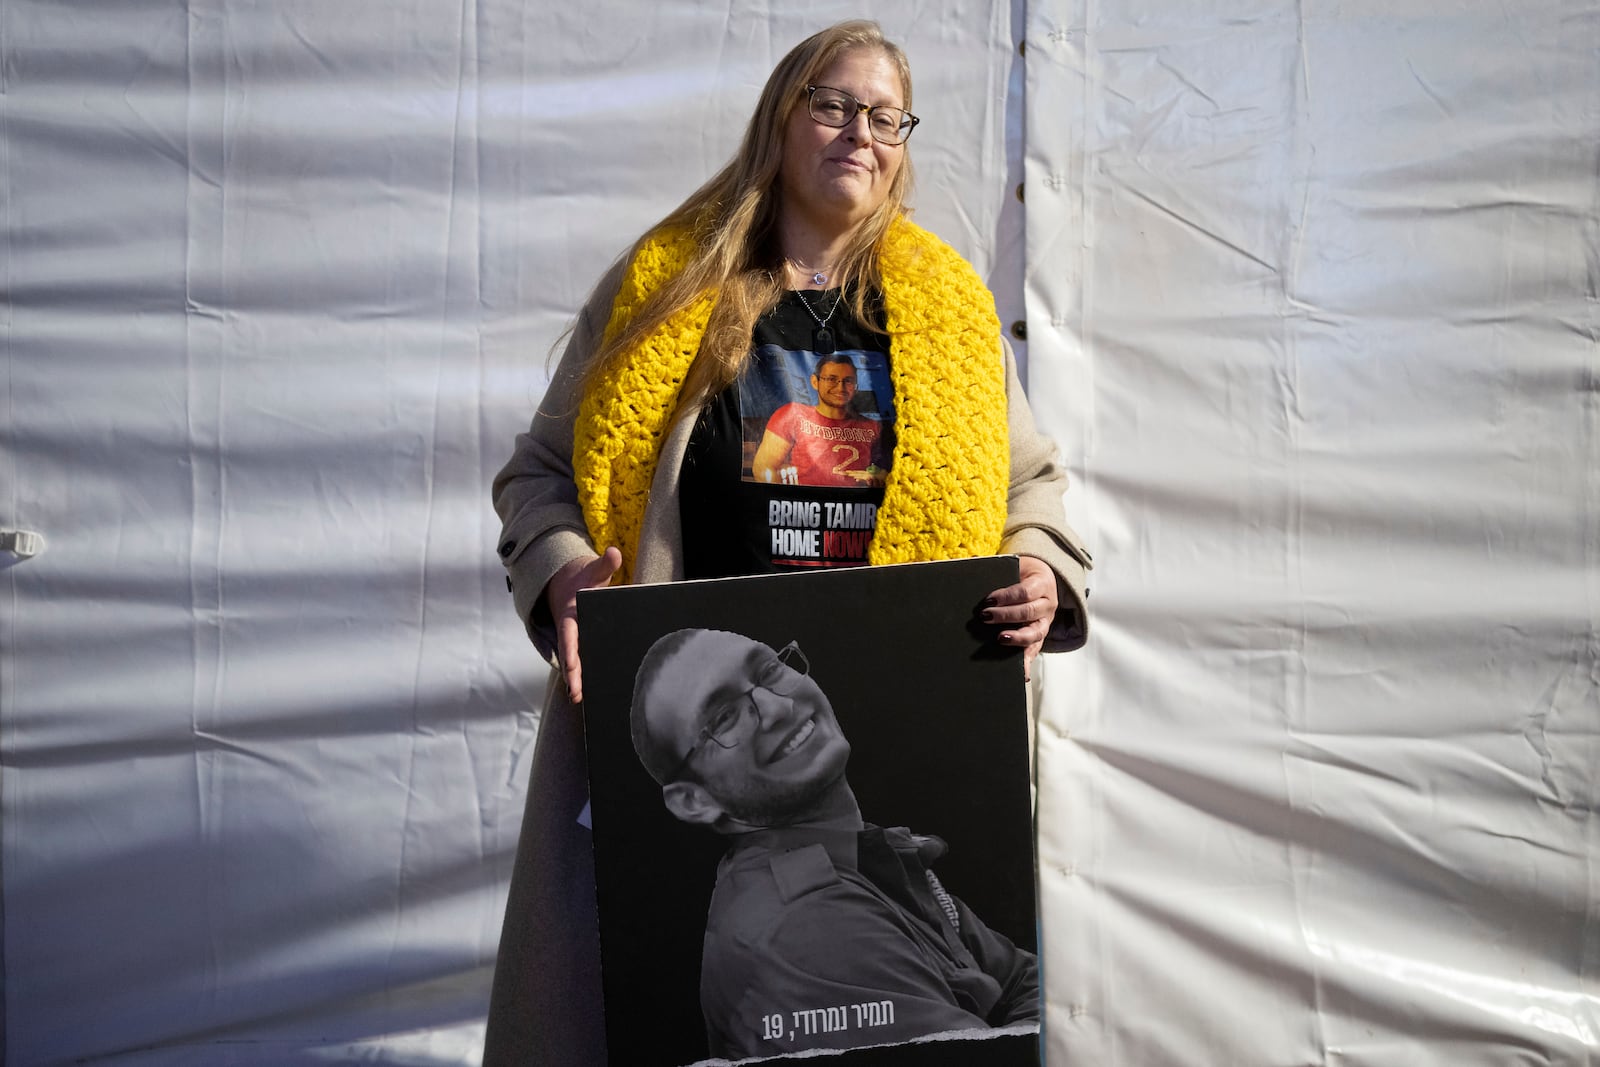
<point x="733" y="218"/>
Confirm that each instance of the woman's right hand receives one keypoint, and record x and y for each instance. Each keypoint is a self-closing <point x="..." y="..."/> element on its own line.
<point x="561" y="593"/>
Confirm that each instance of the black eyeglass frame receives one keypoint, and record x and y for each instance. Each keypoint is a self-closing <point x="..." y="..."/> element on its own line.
<point x="733" y="711"/>
<point x="908" y="121"/>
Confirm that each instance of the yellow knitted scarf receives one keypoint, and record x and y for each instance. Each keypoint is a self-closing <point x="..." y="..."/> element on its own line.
<point x="947" y="488"/>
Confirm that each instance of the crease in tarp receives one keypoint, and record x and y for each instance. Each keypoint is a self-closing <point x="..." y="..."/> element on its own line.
<point x="461" y="201"/>
<point x="1569" y="1014"/>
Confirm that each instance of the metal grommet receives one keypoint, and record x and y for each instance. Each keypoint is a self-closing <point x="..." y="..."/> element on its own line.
<point x="1019" y="330"/>
<point x="1019" y="191"/>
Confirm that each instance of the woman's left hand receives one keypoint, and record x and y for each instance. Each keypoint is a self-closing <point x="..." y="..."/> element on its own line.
<point x="1026" y="609"/>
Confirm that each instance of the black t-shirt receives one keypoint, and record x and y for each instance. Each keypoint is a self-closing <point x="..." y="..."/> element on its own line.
<point x="785" y="468"/>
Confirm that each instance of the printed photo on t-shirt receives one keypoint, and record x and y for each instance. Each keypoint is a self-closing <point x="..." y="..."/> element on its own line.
<point x="810" y="419"/>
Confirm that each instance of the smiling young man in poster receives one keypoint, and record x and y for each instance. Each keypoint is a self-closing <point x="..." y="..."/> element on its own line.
<point x="824" y="931"/>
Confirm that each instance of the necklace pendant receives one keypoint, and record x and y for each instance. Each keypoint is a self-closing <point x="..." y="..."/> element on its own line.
<point x="819" y="278"/>
<point x="822" y="337"/>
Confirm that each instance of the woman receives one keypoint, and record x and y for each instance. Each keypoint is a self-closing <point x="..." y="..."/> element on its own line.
<point x="640" y="465"/>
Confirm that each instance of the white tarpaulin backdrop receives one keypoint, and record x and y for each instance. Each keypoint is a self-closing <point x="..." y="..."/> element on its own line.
<point x="1312" y="297"/>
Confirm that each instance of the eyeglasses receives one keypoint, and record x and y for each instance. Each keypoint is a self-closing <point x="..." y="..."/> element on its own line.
<point x="837" y="108"/>
<point x="834" y="379"/>
<point x="779" y="676"/>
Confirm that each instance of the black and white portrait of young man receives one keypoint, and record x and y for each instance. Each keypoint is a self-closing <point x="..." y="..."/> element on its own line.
<point x="813" y="905"/>
<point x="812" y="822"/>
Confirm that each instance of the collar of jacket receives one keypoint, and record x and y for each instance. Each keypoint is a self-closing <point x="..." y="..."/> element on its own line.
<point x="947" y="488"/>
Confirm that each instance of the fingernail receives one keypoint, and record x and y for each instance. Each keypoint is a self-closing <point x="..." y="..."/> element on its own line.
<point x="988" y="602"/>
<point x="988" y="616"/>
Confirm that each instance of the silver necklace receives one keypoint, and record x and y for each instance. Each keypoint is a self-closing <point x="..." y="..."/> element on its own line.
<point x="818" y="277"/>
<point x="821" y="337"/>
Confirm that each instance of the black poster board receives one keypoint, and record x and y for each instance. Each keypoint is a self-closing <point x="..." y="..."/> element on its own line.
<point x="935" y="716"/>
